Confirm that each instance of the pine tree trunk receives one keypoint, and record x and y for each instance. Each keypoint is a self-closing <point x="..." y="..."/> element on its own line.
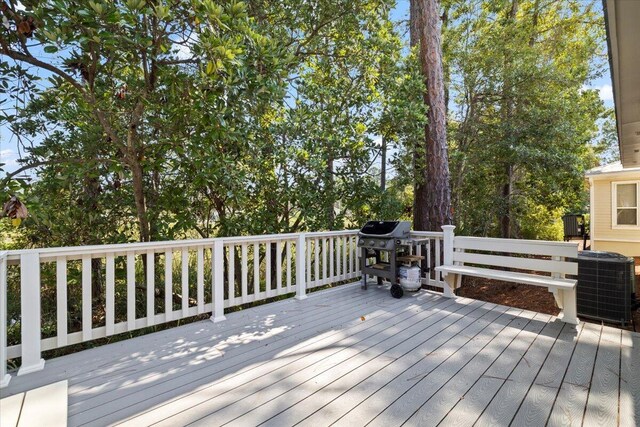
<point x="507" y="109"/>
<point x="383" y="165"/>
<point x="432" y="199"/>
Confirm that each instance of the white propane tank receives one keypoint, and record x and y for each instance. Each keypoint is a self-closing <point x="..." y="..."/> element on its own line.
<point x="410" y="278"/>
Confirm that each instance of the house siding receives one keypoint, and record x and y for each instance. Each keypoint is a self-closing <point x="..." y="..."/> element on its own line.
<point x="605" y="238"/>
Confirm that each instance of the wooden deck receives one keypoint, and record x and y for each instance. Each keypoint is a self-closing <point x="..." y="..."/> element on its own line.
<point x="351" y="357"/>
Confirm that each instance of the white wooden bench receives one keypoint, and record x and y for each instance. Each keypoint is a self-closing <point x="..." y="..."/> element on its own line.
<point x="549" y="272"/>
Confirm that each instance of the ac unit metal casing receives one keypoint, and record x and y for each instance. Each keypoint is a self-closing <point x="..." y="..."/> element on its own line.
<point x="606" y="284"/>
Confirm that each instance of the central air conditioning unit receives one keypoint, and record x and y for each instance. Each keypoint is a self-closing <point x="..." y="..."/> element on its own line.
<point x="606" y="285"/>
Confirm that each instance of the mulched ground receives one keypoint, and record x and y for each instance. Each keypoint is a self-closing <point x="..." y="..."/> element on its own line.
<point x="527" y="297"/>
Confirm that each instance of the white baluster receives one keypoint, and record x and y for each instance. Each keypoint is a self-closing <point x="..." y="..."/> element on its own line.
<point x="338" y="259"/>
<point x="316" y="265"/>
<point x="151" y="287"/>
<point x="288" y="266"/>
<point x="267" y="268"/>
<point x="438" y="263"/>
<point x="217" y="275"/>
<point x="110" y="294"/>
<point x="185" y="282"/>
<point x="168" y="285"/>
<point x="87" y="312"/>
<point x="332" y="256"/>
<point x="278" y="266"/>
<point x="324" y="261"/>
<point x="308" y="265"/>
<point x="245" y="272"/>
<point x="131" y="291"/>
<point x="231" y="275"/>
<point x="61" y="300"/>
<point x="200" y="279"/>
<point x="345" y="266"/>
<point x="301" y="257"/>
<point x="256" y="270"/>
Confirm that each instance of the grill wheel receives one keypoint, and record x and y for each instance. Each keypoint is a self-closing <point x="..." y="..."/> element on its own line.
<point x="396" y="291"/>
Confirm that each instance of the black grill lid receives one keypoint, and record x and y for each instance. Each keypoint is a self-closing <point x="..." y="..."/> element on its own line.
<point x="379" y="228"/>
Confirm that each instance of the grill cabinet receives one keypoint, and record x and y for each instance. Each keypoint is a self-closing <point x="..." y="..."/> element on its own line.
<point x="605" y="286"/>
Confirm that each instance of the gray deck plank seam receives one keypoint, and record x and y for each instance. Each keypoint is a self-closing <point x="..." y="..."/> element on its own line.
<point x="574" y="369"/>
<point x="491" y="366"/>
<point x="425" y="376"/>
<point x="537" y="345"/>
<point x="380" y="332"/>
<point x="563" y="377"/>
<point x="517" y="360"/>
<point x="273" y="349"/>
<point x="471" y="362"/>
<point x="358" y="367"/>
<point x="338" y="329"/>
<point x="537" y="373"/>
<point x="380" y="318"/>
<point x="70" y="360"/>
<point x="584" y="412"/>
<point x="356" y="407"/>
<point x="536" y="381"/>
<point x="481" y="375"/>
<point x="352" y="387"/>
<point x="363" y="302"/>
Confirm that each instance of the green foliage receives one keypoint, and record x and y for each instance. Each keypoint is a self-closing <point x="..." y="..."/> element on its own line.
<point x="521" y="139"/>
<point x="166" y="120"/>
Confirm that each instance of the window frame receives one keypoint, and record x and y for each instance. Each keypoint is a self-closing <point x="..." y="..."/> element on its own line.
<point x="614" y="206"/>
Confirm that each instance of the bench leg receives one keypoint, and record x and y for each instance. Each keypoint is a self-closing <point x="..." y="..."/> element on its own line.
<point x="450" y="285"/>
<point x="569" y="312"/>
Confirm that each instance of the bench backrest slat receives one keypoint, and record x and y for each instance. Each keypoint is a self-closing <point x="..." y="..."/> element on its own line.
<point x="545" y="265"/>
<point x="517" y="246"/>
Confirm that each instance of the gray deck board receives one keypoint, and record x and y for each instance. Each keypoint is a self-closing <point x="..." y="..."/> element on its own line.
<point x="420" y="360"/>
<point x="568" y="409"/>
<point x="602" y="404"/>
<point x="208" y="377"/>
<point x="425" y="378"/>
<point x="506" y="402"/>
<point x="536" y="406"/>
<point x="630" y="380"/>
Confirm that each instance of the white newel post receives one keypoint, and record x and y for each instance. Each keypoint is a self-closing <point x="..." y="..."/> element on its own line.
<point x="218" y="281"/>
<point x="447" y="241"/>
<point x="301" y="260"/>
<point x="30" y="319"/>
<point x="4" y="377"/>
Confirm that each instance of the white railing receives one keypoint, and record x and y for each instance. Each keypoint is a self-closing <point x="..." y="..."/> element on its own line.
<point x="432" y="250"/>
<point x="159" y="282"/>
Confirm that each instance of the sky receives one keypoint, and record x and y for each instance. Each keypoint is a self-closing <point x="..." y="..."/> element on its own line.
<point x="9" y="150"/>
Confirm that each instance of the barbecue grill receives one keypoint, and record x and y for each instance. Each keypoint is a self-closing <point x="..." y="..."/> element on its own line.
<point x="377" y="238"/>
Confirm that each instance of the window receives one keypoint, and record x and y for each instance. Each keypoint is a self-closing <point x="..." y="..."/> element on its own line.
<point x="626" y="204"/>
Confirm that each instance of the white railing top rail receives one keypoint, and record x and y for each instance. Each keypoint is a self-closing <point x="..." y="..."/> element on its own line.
<point x="50" y="254"/>
<point x="517" y="241"/>
<point x="426" y="233"/>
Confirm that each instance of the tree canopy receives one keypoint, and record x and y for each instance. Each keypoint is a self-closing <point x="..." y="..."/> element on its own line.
<point x="149" y="120"/>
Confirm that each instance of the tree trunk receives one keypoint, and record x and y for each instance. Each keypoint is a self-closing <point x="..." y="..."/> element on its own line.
<point x="507" y="110"/>
<point x="383" y="165"/>
<point x="331" y="214"/>
<point x="137" y="180"/>
<point x="414" y="23"/>
<point x="432" y="199"/>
